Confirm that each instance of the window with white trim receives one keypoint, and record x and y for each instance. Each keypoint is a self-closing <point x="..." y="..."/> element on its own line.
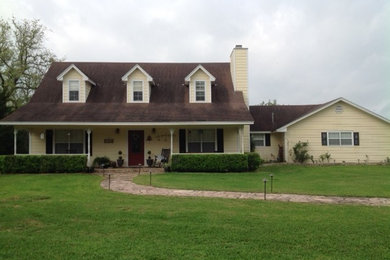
<point x="201" y="141"/>
<point x="138" y="90"/>
<point x="258" y="139"/>
<point x="340" y="138"/>
<point x="200" y="90"/>
<point x="74" y="90"/>
<point x="69" y="141"/>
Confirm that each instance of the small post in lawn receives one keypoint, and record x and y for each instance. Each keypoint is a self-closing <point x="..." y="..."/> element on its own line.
<point x="272" y="180"/>
<point x="150" y="178"/>
<point x="139" y="169"/>
<point x="109" y="181"/>
<point x="102" y="167"/>
<point x="265" y="188"/>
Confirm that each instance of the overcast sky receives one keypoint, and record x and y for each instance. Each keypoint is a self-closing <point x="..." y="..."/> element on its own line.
<point x="300" y="52"/>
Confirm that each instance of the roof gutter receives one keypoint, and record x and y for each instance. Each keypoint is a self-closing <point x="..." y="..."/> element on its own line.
<point x="184" y="123"/>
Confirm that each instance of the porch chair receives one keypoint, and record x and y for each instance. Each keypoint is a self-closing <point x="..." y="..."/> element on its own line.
<point x="165" y="153"/>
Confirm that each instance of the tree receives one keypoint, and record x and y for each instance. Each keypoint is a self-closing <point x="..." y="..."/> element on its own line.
<point x="23" y="60"/>
<point x="269" y="103"/>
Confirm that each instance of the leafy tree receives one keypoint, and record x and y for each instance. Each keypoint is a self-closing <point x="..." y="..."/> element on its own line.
<point x="269" y="103"/>
<point x="23" y="62"/>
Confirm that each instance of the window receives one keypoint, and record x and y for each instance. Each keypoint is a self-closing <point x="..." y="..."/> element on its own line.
<point x="340" y="138"/>
<point x="200" y="90"/>
<point x="69" y="141"/>
<point x="137" y="90"/>
<point x="201" y="141"/>
<point x="258" y="139"/>
<point x="74" y="88"/>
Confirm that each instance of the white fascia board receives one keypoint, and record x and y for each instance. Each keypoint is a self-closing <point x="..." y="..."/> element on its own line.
<point x="260" y="132"/>
<point x="187" y="123"/>
<point x="284" y="128"/>
<point x="126" y="76"/>
<point x="199" y="67"/>
<point x="72" y="66"/>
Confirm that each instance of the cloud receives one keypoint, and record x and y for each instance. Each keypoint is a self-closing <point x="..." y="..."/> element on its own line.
<point x="299" y="51"/>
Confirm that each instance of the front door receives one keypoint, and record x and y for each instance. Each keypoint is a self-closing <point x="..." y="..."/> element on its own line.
<point x="136" y="147"/>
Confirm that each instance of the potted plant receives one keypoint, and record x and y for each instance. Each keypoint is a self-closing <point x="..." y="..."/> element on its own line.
<point x="120" y="160"/>
<point x="149" y="161"/>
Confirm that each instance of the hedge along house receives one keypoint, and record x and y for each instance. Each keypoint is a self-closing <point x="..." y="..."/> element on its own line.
<point x="100" y="109"/>
<point x="348" y="132"/>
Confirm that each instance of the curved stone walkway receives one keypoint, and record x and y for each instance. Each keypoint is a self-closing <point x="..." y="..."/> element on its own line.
<point x="124" y="183"/>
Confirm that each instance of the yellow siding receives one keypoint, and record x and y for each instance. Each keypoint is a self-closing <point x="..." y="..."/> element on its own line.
<point x="247" y="147"/>
<point x="38" y="145"/>
<point x="374" y="135"/>
<point x="200" y="75"/>
<point x="270" y="153"/>
<point x="239" y="70"/>
<point x="87" y="90"/>
<point x="73" y="75"/>
<point x="138" y="75"/>
<point x="231" y="141"/>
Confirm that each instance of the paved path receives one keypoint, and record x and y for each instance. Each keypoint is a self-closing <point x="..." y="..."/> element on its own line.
<point x="124" y="183"/>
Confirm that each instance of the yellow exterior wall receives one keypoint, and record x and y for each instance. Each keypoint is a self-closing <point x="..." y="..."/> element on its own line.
<point x="239" y="71"/>
<point x="200" y="75"/>
<point x="38" y="145"/>
<point x="374" y="135"/>
<point x="138" y="75"/>
<point x="73" y="75"/>
<point x="270" y="153"/>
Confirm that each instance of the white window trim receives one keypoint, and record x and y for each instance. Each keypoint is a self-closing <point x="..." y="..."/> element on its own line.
<point x="143" y="91"/>
<point x="74" y="101"/>
<point x="263" y="134"/>
<point x="205" y="91"/>
<point x="338" y="131"/>
<point x="201" y="139"/>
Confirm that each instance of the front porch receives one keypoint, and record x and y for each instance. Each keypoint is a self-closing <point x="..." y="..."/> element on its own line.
<point x="136" y="143"/>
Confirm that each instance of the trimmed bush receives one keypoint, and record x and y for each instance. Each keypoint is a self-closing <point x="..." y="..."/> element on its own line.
<point x="102" y="160"/>
<point x="254" y="161"/>
<point x="209" y="162"/>
<point x="42" y="163"/>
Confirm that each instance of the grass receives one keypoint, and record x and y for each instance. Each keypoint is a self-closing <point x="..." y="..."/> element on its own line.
<point x="71" y="217"/>
<point x="351" y="180"/>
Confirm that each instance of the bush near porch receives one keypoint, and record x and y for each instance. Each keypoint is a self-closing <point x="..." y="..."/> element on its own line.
<point x="215" y="162"/>
<point x="42" y="163"/>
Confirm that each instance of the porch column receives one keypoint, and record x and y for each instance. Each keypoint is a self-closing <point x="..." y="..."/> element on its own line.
<point x="285" y="147"/>
<point x="171" y="131"/>
<point x="15" y="139"/>
<point x="242" y="138"/>
<point x="89" y="147"/>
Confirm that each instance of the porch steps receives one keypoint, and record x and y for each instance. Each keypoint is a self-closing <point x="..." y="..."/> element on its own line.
<point x="129" y="170"/>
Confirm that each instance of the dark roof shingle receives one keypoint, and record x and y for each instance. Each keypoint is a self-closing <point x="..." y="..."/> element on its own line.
<point x="107" y="100"/>
<point x="270" y="118"/>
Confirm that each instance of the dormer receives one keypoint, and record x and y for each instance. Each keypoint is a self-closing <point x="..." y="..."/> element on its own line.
<point x="200" y="82"/>
<point x="138" y="85"/>
<point x="75" y="85"/>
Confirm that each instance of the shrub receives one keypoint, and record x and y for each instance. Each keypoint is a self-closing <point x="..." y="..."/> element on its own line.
<point x="42" y="163"/>
<point x="209" y="162"/>
<point x="254" y="161"/>
<point x="326" y="156"/>
<point x="301" y="154"/>
<point x="101" y="160"/>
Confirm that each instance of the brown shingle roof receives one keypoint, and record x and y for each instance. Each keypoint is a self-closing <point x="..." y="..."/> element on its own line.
<point x="107" y="100"/>
<point x="282" y="115"/>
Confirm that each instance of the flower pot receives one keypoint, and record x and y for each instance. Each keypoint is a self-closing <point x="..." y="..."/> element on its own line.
<point x="120" y="162"/>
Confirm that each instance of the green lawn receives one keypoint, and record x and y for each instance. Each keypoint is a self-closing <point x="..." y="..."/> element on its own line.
<point x="357" y="180"/>
<point x="71" y="217"/>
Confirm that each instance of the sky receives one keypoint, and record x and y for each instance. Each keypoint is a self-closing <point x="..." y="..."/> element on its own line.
<point x="300" y="52"/>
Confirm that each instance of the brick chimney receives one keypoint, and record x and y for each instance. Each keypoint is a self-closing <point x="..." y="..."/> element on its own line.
<point x="239" y="70"/>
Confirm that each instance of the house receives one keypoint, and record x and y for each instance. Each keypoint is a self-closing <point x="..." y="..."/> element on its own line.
<point x="100" y="108"/>
<point x="346" y="131"/>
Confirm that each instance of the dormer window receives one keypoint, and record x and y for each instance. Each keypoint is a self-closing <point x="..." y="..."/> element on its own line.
<point x="200" y="90"/>
<point x="138" y="85"/>
<point x="199" y="83"/>
<point x="74" y="90"/>
<point x="138" y="90"/>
